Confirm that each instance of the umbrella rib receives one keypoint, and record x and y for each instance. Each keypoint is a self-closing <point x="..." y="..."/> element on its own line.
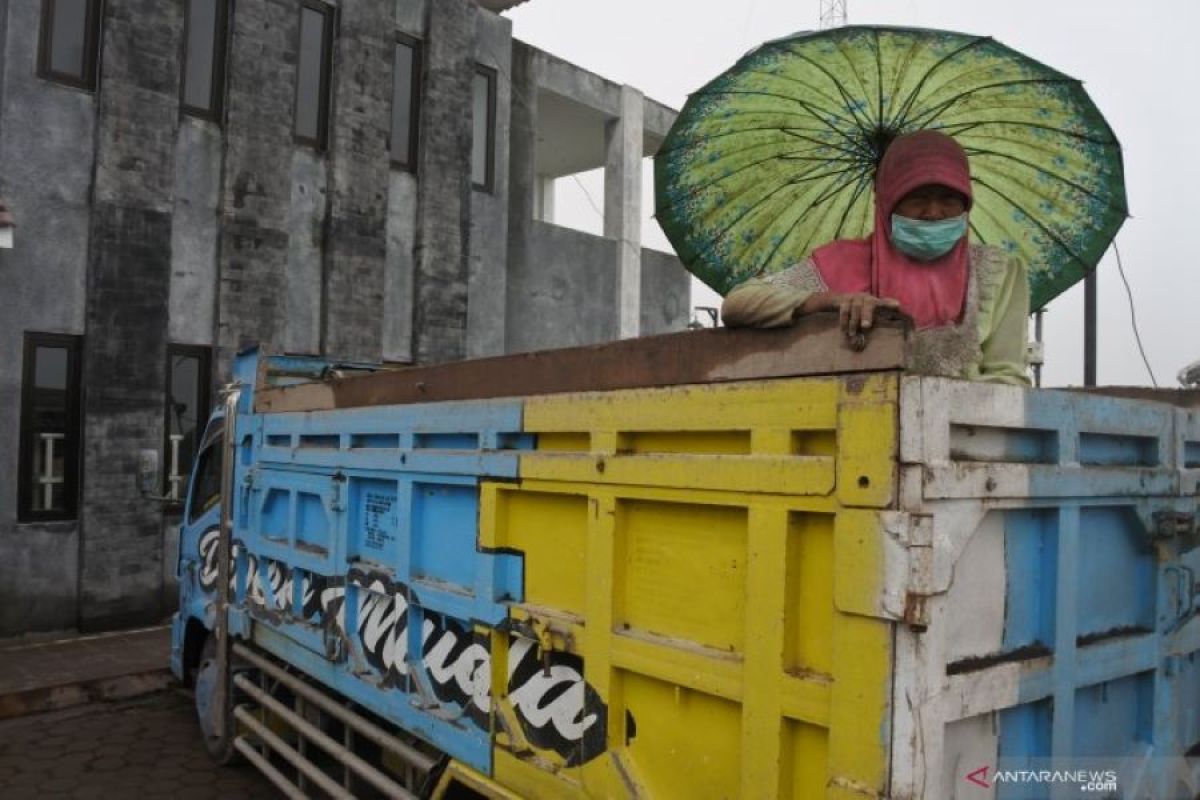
<point x="803" y="105"/>
<point x="1055" y="175"/>
<point x="1032" y="217"/>
<point x="815" y="89"/>
<point x="708" y="246"/>
<point x="689" y="143"/>
<point x="697" y="190"/>
<point x="857" y="76"/>
<point x="942" y="107"/>
<point x="816" y="227"/>
<point x="966" y="126"/>
<point x="846" y="98"/>
<point x="901" y="120"/>
<point x="858" y="190"/>
<point x="879" y="74"/>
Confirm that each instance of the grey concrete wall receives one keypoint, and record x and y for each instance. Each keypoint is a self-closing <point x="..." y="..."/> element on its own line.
<point x="358" y="183"/>
<point x="128" y="295"/>
<point x="444" y="185"/>
<point x="305" y="277"/>
<point x="487" y="277"/>
<point x="255" y="208"/>
<point x="563" y="291"/>
<point x="398" y="268"/>
<point x="46" y="165"/>
<point x="193" y="288"/>
<point x="666" y="293"/>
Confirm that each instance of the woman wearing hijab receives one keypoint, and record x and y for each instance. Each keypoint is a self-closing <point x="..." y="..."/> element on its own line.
<point x="969" y="303"/>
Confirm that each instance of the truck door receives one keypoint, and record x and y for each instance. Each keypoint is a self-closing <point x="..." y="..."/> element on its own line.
<point x="199" y="530"/>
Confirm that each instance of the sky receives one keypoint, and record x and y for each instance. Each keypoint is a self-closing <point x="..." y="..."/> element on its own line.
<point x="1140" y="62"/>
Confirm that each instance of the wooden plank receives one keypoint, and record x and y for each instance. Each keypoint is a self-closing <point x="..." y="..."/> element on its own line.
<point x="814" y="346"/>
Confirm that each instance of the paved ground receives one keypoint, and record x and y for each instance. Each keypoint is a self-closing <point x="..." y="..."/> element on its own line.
<point x="68" y="671"/>
<point x="143" y="748"/>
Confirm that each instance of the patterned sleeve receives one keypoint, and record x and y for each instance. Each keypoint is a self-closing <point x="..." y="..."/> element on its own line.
<point x="1004" y="328"/>
<point x="772" y="301"/>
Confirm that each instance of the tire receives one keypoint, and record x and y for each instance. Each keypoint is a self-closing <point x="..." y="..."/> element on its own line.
<point x="218" y="743"/>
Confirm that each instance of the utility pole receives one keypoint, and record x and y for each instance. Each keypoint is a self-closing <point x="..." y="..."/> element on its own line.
<point x="833" y="13"/>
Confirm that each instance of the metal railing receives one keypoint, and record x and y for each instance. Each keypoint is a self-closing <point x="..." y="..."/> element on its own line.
<point x="261" y="743"/>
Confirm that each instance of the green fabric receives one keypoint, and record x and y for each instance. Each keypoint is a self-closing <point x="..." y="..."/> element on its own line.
<point x="777" y="156"/>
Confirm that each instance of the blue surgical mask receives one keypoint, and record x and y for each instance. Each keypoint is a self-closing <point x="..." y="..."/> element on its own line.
<point x="927" y="240"/>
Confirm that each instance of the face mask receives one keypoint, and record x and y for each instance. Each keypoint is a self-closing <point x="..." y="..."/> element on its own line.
<point x="927" y="241"/>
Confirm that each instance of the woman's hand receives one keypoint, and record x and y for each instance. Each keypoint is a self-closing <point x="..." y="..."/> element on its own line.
<point x="856" y="312"/>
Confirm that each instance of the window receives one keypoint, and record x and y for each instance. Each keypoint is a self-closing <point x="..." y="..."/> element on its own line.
<point x="69" y="38"/>
<point x="188" y="381"/>
<point x="312" y="73"/>
<point x="207" y="489"/>
<point x="48" y="482"/>
<point x="483" y="140"/>
<point x="406" y="101"/>
<point x="204" y="58"/>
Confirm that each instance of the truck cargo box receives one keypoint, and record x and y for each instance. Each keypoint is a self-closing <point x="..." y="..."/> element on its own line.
<point x="788" y="570"/>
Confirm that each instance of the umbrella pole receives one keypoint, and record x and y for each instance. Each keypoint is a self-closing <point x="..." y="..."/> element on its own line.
<point x="1089" y="329"/>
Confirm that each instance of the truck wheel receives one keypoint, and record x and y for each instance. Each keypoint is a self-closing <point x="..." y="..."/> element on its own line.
<point x="218" y="742"/>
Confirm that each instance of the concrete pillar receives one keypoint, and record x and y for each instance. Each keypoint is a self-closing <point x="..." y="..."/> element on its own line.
<point x="444" y="186"/>
<point x="358" y="183"/>
<point x="623" y="207"/>
<point x="544" y="201"/>
<point x="128" y="291"/>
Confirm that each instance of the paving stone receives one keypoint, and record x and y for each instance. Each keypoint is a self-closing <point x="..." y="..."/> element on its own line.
<point x="143" y="749"/>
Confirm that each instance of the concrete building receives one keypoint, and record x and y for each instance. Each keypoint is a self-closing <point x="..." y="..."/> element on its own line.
<point x="368" y="180"/>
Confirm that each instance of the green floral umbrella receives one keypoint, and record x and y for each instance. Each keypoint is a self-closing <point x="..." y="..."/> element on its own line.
<point x="777" y="155"/>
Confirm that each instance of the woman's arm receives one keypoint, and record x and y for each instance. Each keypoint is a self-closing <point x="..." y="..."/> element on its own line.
<point x="758" y="303"/>
<point x="1005" y="343"/>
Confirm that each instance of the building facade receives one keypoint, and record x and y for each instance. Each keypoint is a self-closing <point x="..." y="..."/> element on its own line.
<point x="366" y="179"/>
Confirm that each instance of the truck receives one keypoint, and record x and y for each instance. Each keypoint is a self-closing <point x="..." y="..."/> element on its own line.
<point x="711" y="564"/>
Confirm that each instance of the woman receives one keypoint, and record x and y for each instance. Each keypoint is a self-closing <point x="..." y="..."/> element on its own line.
<point x="969" y="303"/>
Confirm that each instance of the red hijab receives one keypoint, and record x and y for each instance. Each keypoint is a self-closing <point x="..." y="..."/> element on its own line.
<point x="932" y="293"/>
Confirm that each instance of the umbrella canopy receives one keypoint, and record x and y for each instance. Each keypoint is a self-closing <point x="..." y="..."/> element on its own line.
<point x="777" y="156"/>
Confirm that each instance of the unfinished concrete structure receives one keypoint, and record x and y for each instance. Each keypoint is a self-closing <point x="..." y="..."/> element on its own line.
<point x="154" y="216"/>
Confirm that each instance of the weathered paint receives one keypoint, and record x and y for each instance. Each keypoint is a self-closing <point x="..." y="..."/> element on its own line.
<point x="1055" y="606"/>
<point x="847" y="587"/>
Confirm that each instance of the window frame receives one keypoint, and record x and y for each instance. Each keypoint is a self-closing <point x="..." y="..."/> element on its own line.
<point x="203" y="409"/>
<point x="414" y="110"/>
<point x="73" y="435"/>
<point x="489" y="184"/>
<point x="321" y="142"/>
<point x="216" y="92"/>
<point x="91" y="48"/>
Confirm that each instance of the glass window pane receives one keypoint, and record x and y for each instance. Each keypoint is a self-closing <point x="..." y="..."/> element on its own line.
<point x="207" y="489"/>
<point x="68" y="29"/>
<point x="308" y="73"/>
<point x="201" y="43"/>
<point x="479" y="141"/>
<point x="50" y="368"/>
<point x="183" y="420"/>
<point x="47" y="418"/>
<point x="402" y="102"/>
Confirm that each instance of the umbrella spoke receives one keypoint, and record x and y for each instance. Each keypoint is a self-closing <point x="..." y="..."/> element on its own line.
<point x="1064" y="179"/>
<point x="1034" y="219"/>
<point x="966" y="126"/>
<point x="935" y="111"/>
<point x="851" y="105"/>
<point x="801" y="177"/>
<point x="901" y="121"/>
<point x="858" y="191"/>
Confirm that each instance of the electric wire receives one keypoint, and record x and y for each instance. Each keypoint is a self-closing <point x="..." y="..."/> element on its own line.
<point x="1133" y="315"/>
